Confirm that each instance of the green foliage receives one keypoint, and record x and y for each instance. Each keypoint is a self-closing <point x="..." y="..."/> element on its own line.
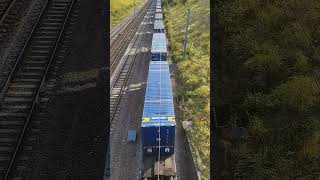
<point x="298" y="94"/>
<point x="270" y="82"/>
<point x="194" y="72"/>
<point x="119" y="9"/>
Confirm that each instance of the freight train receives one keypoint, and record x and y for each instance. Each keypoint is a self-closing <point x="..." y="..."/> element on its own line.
<point x="158" y="121"/>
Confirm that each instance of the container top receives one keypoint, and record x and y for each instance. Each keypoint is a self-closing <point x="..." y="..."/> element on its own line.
<point x="158" y="24"/>
<point x="159" y="43"/>
<point x="158" y="107"/>
<point x="158" y="16"/>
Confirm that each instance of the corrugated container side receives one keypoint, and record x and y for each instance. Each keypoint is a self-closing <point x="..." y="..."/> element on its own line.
<point x="150" y="136"/>
<point x="158" y="16"/>
<point x="158" y="111"/>
<point x="158" y="25"/>
<point x="159" y="47"/>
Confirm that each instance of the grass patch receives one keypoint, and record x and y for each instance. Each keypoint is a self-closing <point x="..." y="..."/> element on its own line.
<point x="119" y="9"/>
<point x="194" y="71"/>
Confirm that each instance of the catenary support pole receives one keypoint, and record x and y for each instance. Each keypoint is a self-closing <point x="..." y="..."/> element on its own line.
<point x="186" y="36"/>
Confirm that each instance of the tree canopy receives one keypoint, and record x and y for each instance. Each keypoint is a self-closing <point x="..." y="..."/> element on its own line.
<point x="268" y="82"/>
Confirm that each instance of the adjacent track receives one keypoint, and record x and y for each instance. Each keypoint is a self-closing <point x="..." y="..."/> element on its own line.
<point x="5" y="6"/>
<point x="9" y="11"/>
<point x="121" y="43"/>
<point x="19" y="97"/>
<point x="118" y="29"/>
<point x="121" y="80"/>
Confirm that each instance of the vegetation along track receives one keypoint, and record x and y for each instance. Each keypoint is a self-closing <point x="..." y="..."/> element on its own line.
<point x="114" y="34"/>
<point x="117" y="88"/>
<point x="120" y="45"/>
<point x="20" y="94"/>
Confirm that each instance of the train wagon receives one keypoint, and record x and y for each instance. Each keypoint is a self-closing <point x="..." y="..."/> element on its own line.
<point x="158" y="6"/>
<point x="159" y="47"/>
<point x="158" y="112"/>
<point x="158" y="11"/>
<point x="158" y="124"/>
<point x="158" y="26"/>
<point x="166" y="171"/>
<point x="158" y="16"/>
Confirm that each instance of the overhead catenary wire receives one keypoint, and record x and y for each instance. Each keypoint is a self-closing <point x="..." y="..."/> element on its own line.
<point x="159" y="155"/>
<point x="159" y="131"/>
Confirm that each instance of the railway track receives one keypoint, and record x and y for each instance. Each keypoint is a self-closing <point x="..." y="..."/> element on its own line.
<point x="4" y="6"/>
<point x="120" y="45"/>
<point x="118" y="29"/>
<point x="9" y="13"/>
<point x="121" y="80"/>
<point x="20" y="94"/>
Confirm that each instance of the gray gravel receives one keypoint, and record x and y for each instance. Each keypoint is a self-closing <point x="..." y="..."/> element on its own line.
<point x="125" y="154"/>
<point x="12" y="46"/>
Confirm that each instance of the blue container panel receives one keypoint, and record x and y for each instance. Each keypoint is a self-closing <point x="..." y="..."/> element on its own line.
<point x="153" y="151"/>
<point x="159" y="43"/>
<point x="150" y="136"/>
<point x="159" y="39"/>
<point x="158" y="49"/>
<point x="158" y="16"/>
<point x="158" y="101"/>
<point x="159" y="56"/>
<point x="158" y="24"/>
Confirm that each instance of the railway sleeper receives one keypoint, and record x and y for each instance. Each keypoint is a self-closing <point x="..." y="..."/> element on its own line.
<point x="10" y="147"/>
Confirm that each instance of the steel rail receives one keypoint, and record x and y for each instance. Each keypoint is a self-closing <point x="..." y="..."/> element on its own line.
<point x="7" y="11"/>
<point x="138" y="43"/>
<point x="18" y="61"/>
<point x="121" y="44"/>
<point x="13" y="158"/>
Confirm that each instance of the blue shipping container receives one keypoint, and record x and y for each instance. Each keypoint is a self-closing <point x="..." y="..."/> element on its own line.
<point x="158" y="111"/>
<point x="158" y="16"/>
<point x="159" y="47"/>
<point x="158" y="26"/>
<point x="159" y="56"/>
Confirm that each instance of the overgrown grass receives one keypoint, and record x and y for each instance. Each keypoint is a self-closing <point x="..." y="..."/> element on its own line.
<point x="194" y="71"/>
<point x="119" y="9"/>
